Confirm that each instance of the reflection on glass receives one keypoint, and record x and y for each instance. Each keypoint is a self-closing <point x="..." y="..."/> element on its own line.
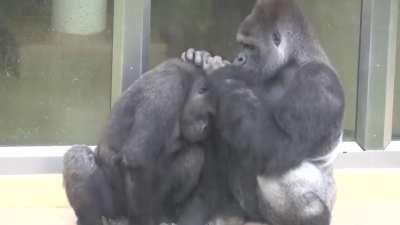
<point x="209" y="24"/>
<point x="55" y="70"/>
<point x="337" y="24"/>
<point x="206" y="24"/>
<point x="396" y="109"/>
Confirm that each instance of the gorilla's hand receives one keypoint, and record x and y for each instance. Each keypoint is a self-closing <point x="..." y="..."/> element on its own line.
<point x="204" y="59"/>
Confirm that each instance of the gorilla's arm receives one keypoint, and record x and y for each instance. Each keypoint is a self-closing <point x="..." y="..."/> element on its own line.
<point x="156" y="132"/>
<point x="145" y="127"/>
<point x="152" y="124"/>
<point x="309" y="116"/>
<point x="282" y="135"/>
<point x="143" y="119"/>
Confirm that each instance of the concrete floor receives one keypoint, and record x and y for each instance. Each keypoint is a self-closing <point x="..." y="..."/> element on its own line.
<point x="365" y="197"/>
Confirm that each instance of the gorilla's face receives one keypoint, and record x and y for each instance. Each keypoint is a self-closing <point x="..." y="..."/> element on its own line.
<point x="264" y="48"/>
<point x="198" y="112"/>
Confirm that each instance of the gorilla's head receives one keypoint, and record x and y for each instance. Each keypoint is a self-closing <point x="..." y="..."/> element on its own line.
<point x="274" y="34"/>
<point x="198" y="111"/>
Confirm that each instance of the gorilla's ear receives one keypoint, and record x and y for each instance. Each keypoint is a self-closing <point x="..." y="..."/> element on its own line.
<point x="276" y="37"/>
<point x="116" y="159"/>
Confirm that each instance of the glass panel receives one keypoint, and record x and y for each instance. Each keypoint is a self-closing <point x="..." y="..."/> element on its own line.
<point x="337" y="24"/>
<point x="396" y="114"/>
<point x="211" y="24"/>
<point x="55" y="70"/>
<point x="207" y="24"/>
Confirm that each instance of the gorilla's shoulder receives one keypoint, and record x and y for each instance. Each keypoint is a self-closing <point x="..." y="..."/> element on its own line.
<point x="168" y="80"/>
<point x="316" y="67"/>
<point x="165" y="76"/>
<point x="320" y="79"/>
<point x="176" y="66"/>
<point x="321" y="73"/>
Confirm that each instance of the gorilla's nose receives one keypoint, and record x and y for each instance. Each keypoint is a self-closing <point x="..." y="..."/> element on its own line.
<point x="240" y="60"/>
<point x="203" y="127"/>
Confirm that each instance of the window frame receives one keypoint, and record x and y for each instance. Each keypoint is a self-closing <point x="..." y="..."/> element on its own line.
<point x="377" y="71"/>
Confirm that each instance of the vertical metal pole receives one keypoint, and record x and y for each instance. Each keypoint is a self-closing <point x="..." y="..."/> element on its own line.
<point x="118" y="58"/>
<point x="376" y="73"/>
<point x="131" y="42"/>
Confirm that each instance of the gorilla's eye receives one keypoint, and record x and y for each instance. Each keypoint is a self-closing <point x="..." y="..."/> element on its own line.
<point x="240" y="59"/>
<point x="277" y="38"/>
<point x="203" y="89"/>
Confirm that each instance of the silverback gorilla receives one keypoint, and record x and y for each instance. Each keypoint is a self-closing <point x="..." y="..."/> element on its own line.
<point x="278" y="119"/>
<point x="152" y="153"/>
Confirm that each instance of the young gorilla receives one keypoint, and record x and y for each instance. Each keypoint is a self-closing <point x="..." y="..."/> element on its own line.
<point x="279" y="113"/>
<point x="152" y="153"/>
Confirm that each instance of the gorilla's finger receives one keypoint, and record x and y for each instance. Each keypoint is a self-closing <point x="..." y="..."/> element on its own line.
<point x="190" y="54"/>
<point x="205" y="54"/>
<point x="183" y="56"/>
<point x="216" y="62"/>
<point x="208" y="65"/>
<point x="219" y="61"/>
<point x="218" y="58"/>
<point x="226" y="62"/>
<point x="211" y="62"/>
<point x="198" y="59"/>
<point x="206" y="58"/>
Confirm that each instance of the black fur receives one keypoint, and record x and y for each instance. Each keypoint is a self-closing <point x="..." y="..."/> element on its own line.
<point x="86" y="186"/>
<point x="299" y="93"/>
<point x="278" y="119"/>
<point x="152" y="153"/>
<point x="279" y="114"/>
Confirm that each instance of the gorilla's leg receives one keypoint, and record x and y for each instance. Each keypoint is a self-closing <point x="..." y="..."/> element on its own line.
<point x="302" y="196"/>
<point x="195" y="212"/>
<point x="87" y="190"/>
<point x="164" y="190"/>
